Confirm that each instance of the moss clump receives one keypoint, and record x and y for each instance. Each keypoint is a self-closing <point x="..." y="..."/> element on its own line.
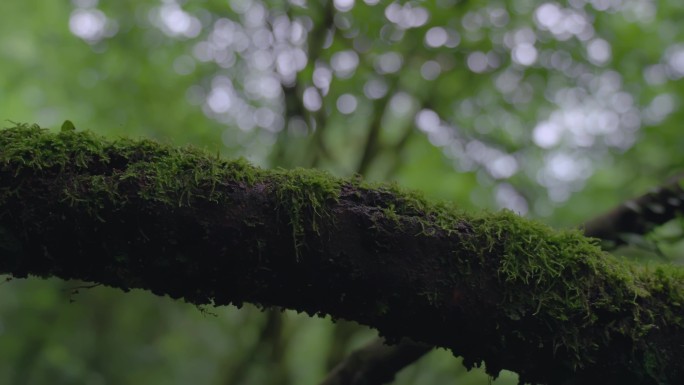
<point x="32" y="147"/>
<point x="562" y="281"/>
<point x="304" y="195"/>
<point x="168" y="175"/>
<point x="165" y="175"/>
<point x="399" y="205"/>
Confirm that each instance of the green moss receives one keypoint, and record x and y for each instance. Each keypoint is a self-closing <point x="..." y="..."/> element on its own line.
<point x="33" y="147"/>
<point x="303" y="195"/>
<point x="165" y="175"/>
<point x="68" y="125"/>
<point x="561" y="279"/>
<point x="399" y="204"/>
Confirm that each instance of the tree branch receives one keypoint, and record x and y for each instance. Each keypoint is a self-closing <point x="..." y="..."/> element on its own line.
<point x="638" y="215"/>
<point x="376" y="363"/>
<point x="494" y="288"/>
<point x="641" y="214"/>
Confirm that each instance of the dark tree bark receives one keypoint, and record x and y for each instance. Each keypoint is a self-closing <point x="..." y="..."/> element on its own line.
<point x="494" y="288"/>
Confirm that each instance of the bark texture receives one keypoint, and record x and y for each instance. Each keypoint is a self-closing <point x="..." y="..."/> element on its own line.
<point x="493" y="287"/>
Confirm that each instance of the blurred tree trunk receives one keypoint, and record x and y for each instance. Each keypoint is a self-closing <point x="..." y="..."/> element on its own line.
<point x="493" y="288"/>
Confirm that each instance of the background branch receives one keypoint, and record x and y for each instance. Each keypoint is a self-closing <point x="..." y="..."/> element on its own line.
<point x="641" y="214"/>
<point x="376" y="363"/>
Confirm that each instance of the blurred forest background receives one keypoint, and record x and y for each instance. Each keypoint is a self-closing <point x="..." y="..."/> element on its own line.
<point x="556" y="110"/>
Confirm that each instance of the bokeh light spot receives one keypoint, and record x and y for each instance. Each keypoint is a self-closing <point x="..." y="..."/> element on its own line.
<point x="346" y="104"/>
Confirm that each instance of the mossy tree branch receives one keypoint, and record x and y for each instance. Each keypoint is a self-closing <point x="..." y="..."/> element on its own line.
<point x="493" y="288"/>
<point x="636" y="216"/>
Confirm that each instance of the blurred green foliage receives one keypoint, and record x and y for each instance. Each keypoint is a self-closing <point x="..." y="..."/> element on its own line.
<point x="558" y="110"/>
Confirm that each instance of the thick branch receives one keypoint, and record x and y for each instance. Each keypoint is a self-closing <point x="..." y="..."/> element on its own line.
<point x="638" y="215"/>
<point x="493" y="288"/>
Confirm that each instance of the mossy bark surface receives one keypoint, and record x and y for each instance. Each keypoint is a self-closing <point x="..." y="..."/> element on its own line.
<point x="494" y="288"/>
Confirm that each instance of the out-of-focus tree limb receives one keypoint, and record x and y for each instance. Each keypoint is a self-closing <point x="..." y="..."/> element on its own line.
<point x="376" y="363"/>
<point x="641" y="214"/>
